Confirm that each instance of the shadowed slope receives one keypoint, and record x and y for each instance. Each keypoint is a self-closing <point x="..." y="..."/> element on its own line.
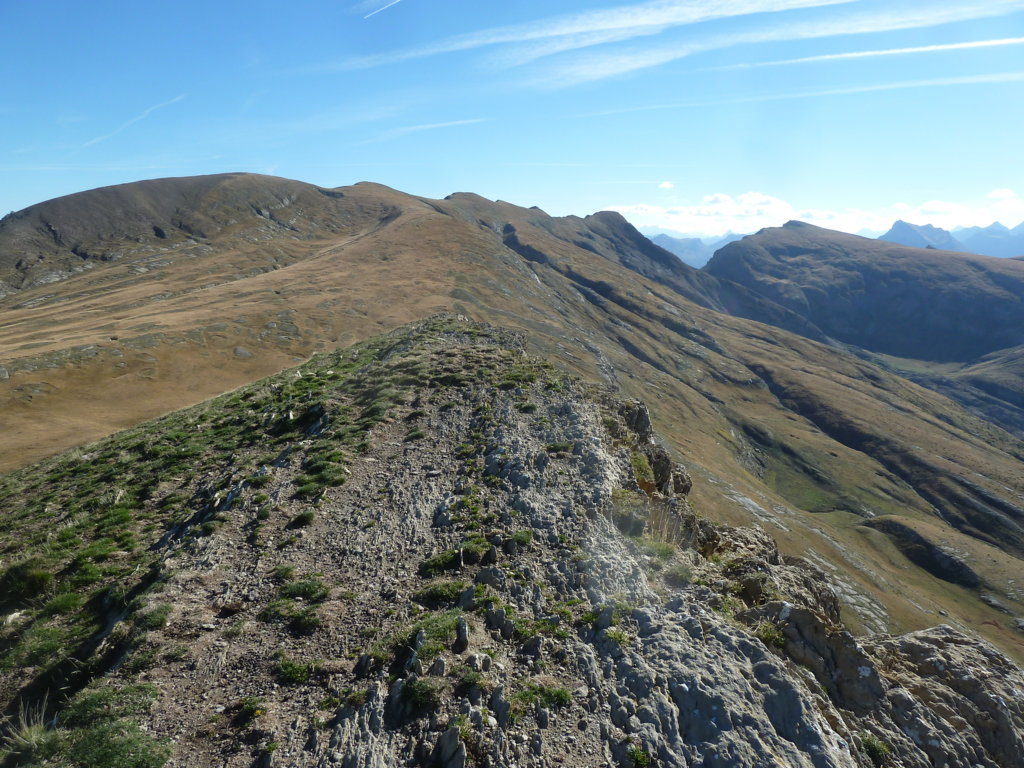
<point x="907" y="302"/>
<point x="953" y="322"/>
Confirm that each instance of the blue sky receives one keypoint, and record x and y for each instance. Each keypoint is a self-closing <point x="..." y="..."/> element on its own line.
<point x="700" y="116"/>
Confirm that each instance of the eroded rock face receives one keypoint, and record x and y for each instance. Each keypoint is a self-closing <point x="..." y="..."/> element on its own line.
<point x="951" y="697"/>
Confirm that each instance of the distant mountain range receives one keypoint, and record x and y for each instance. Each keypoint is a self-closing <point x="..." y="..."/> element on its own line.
<point x="694" y="251"/>
<point x="993" y="240"/>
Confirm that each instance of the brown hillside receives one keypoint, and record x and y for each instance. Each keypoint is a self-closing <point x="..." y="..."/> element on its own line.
<point x="810" y="442"/>
<point x="953" y="322"/>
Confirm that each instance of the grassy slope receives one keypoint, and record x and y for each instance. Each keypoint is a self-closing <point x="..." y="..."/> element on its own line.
<point x="716" y="385"/>
<point x="90" y="537"/>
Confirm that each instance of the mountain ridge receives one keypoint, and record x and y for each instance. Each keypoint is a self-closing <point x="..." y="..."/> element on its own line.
<point x="430" y="549"/>
<point x="994" y="240"/>
<point x="798" y="436"/>
<point x="923" y="236"/>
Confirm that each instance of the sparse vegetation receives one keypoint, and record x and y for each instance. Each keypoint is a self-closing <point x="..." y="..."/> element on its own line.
<point x="678" y="574"/>
<point x="639" y="757"/>
<point x="641" y="468"/>
<point x="440" y="594"/>
<point x="423" y="694"/>
<point x="311" y="589"/>
<point x="878" y="751"/>
<point x="97" y="729"/>
<point x="551" y="697"/>
<point x="770" y="634"/>
<point x="291" y="672"/>
<point x="303" y="519"/>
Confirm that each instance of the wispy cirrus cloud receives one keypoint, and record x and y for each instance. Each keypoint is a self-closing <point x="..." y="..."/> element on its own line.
<point x="588" y="67"/>
<point x="885" y="52"/>
<point x="138" y="118"/>
<point x="405" y="130"/>
<point x="992" y="78"/>
<point x="567" y="32"/>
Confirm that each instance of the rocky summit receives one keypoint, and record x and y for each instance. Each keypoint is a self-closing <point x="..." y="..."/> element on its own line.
<point x="433" y="549"/>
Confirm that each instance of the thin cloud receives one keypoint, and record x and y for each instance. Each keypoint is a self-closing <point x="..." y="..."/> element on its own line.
<point x="382" y="8"/>
<point x="1000" y="77"/>
<point x="589" y="67"/>
<point x="141" y="116"/>
<point x="886" y="52"/>
<point x="590" y="28"/>
<point x="395" y="133"/>
<point x="718" y="214"/>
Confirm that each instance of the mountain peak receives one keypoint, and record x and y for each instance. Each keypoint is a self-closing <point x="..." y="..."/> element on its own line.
<point x="921" y="236"/>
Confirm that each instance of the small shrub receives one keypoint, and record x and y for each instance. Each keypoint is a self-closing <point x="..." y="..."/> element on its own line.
<point x="422" y="694"/>
<point x="301" y="619"/>
<point x="25" y="581"/>
<point x="308" y="489"/>
<point x="438" y="628"/>
<point x="305" y="622"/>
<point x="878" y="751"/>
<point x="440" y="594"/>
<point x="770" y="634"/>
<point x="312" y="590"/>
<point x="155" y="618"/>
<point x="303" y="519"/>
<point x="678" y="574"/>
<point x="445" y="561"/>
<point x="291" y="672"/>
<point x="617" y="636"/>
<point x="248" y="709"/>
<point x="474" y="548"/>
<point x="466" y="678"/>
<point x="522" y="538"/>
<point x="639" y="757"/>
<point x="283" y="573"/>
<point x="548" y="696"/>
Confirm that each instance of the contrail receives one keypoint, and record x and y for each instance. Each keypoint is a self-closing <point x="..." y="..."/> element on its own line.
<point x="887" y="52"/>
<point x="146" y="113"/>
<point x="382" y="8"/>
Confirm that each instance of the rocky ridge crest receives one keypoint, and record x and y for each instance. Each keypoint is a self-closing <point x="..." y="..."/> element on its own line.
<point x="433" y="550"/>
